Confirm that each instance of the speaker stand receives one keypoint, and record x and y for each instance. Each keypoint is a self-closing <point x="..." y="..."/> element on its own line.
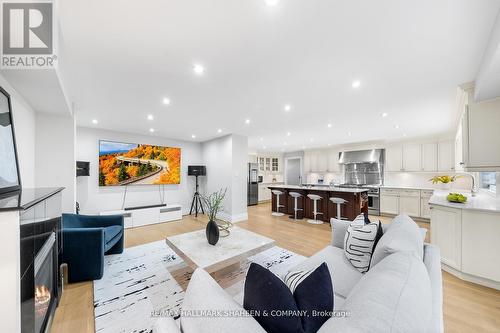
<point x="196" y="203"/>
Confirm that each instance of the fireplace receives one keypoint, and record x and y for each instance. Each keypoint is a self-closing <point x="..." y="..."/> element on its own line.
<point x="45" y="284"/>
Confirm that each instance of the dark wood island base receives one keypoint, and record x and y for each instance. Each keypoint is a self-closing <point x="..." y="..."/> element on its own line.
<point x="357" y="201"/>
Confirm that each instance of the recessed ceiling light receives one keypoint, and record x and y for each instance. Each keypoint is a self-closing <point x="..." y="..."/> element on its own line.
<point x="150" y="117"/>
<point x="94" y="121"/>
<point x="264" y="147"/>
<point x="396" y="126"/>
<point x="356" y="84"/>
<point x="247" y="121"/>
<point x="329" y="125"/>
<point x="288" y="133"/>
<point x="166" y="101"/>
<point x="271" y="3"/>
<point x="349" y="133"/>
<point x="193" y="136"/>
<point x="385" y="114"/>
<point x="152" y="130"/>
<point x="261" y="139"/>
<point x="284" y="143"/>
<point x="311" y="139"/>
<point x="287" y="107"/>
<point x="198" y="69"/>
<point x="219" y="130"/>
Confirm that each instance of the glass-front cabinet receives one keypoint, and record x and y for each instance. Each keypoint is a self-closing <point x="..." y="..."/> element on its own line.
<point x="269" y="164"/>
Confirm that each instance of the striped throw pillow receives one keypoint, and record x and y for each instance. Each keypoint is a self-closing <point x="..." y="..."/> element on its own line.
<point x="359" y="242"/>
<point x="293" y="279"/>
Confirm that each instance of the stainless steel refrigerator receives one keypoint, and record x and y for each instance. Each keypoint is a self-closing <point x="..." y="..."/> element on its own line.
<point x="253" y="184"/>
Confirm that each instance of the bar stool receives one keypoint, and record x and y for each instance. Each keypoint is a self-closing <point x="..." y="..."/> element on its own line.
<point x="295" y="196"/>
<point x="338" y="202"/>
<point x="315" y="198"/>
<point x="278" y="206"/>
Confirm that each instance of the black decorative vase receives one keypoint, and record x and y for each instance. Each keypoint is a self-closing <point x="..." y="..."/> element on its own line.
<point x="212" y="232"/>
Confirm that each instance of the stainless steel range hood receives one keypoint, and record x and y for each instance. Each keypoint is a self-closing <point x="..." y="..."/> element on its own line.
<point x="362" y="156"/>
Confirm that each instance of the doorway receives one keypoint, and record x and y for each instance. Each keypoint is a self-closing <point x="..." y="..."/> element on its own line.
<point x="293" y="171"/>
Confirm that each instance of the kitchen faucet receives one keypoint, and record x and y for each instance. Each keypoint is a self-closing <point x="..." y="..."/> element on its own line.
<point x="473" y="189"/>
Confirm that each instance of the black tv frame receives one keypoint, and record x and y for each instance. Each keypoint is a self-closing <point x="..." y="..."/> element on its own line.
<point x="16" y="187"/>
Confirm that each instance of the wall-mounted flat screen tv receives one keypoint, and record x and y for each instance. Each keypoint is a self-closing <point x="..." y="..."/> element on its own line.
<point x="138" y="164"/>
<point x="9" y="169"/>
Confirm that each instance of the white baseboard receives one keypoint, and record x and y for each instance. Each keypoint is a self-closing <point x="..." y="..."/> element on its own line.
<point x="232" y="218"/>
<point x="471" y="278"/>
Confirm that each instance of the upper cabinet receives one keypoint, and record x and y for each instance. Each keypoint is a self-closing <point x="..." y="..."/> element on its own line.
<point x="394" y="158"/>
<point x="416" y="157"/>
<point x="430" y="157"/>
<point x="272" y="164"/>
<point x="412" y="157"/>
<point x="446" y="155"/>
<point x="321" y="161"/>
<point x="480" y="136"/>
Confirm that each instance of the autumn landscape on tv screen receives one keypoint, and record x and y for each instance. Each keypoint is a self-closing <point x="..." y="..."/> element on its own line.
<point x="137" y="164"/>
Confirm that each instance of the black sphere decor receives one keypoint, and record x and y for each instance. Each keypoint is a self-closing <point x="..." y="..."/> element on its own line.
<point x="212" y="232"/>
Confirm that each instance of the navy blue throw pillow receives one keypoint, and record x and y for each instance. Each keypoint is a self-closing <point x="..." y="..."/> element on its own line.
<point x="271" y="301"/>
<point x="307" y="309"/>
<point x="314" y="297"/>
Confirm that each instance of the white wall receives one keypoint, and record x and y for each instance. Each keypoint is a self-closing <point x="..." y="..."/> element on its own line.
<point x="94" y="199"/>
<point x="55" y="156"/>
<point x="24" y="127"/>
<point x="239" y="178"/>
<point x="226" y="160"/>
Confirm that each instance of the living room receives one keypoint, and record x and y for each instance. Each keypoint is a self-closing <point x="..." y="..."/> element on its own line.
<point x="260" y="166"/>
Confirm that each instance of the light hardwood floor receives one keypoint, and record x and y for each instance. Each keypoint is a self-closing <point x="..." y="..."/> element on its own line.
<point x="467" y="307"/>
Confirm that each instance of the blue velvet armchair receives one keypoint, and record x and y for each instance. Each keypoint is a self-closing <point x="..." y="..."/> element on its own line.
<point x="86" y="239"/>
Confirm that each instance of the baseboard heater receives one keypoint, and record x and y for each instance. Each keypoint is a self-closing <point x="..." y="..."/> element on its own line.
<point x="144" y="207"/>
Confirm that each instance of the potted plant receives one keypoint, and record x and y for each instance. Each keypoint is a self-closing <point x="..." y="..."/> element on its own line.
<point x="213" y="204"/>
<point x="445" y="181"/>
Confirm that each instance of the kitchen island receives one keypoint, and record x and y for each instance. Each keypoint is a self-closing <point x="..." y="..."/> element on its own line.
<point x="357" y="201"/>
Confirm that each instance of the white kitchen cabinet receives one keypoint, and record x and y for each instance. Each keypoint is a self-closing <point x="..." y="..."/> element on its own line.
<point x="430" y="157"/>
<point x="333" y="161"/>
<point x="264" y="193"/>
<point x="262" y="164"/>
<point x="409" y="202"/>
<point x="394" y="158"/>
<point x="446" y="156"/>
<point x="275" y="164"/>
<point x="425" y="211"/>
<point x="446" y="232"/>
<point x="480" y="245"/>
<point x="481" y="135"/>
<point x="389" y="201"/>
<point x="313" y="161"/>
<point x="459" y="165"/>
<point x="307" y="163"/>
<point x="412" y="158"/>
<point x="322" y="162"/>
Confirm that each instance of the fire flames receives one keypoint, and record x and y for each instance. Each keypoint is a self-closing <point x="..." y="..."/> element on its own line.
<point x="42" y="300"/>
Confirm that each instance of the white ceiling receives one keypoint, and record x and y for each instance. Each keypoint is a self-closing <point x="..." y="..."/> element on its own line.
<point x="123" y="57"/>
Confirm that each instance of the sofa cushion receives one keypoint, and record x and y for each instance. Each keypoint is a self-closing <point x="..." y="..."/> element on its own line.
<point x="265" y="294"/>
<point x="403" y="235"/>
<point x="344" y="276"/>
<point x="393" y="296"/>
<point x="111" y="232"/>
<point x="339" y="228"/>
<point x="204" y="294"/>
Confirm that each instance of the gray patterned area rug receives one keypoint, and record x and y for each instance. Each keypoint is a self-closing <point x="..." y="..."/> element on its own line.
<point x="151" y="277"/>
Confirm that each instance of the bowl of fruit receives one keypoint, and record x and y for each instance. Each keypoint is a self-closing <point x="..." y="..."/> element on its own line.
<point x="456" y="197"/>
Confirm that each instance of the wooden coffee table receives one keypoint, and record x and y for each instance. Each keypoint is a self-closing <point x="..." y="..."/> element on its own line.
<point x="194" y="249"/>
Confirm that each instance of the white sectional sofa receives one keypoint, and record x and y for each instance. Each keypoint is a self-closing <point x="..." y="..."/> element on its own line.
<point x="402" y="292"/>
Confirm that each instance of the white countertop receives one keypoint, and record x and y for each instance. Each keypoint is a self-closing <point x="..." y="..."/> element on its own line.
<point x="320" y="188"/>
<point x="482" y="201"/>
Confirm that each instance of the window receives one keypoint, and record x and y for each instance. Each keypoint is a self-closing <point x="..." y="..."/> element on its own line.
<point x="488" y="181"/>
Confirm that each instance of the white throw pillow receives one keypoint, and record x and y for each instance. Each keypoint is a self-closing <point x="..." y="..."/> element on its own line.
<point x="358" y="243"/>
<point x="403" y="235"/>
